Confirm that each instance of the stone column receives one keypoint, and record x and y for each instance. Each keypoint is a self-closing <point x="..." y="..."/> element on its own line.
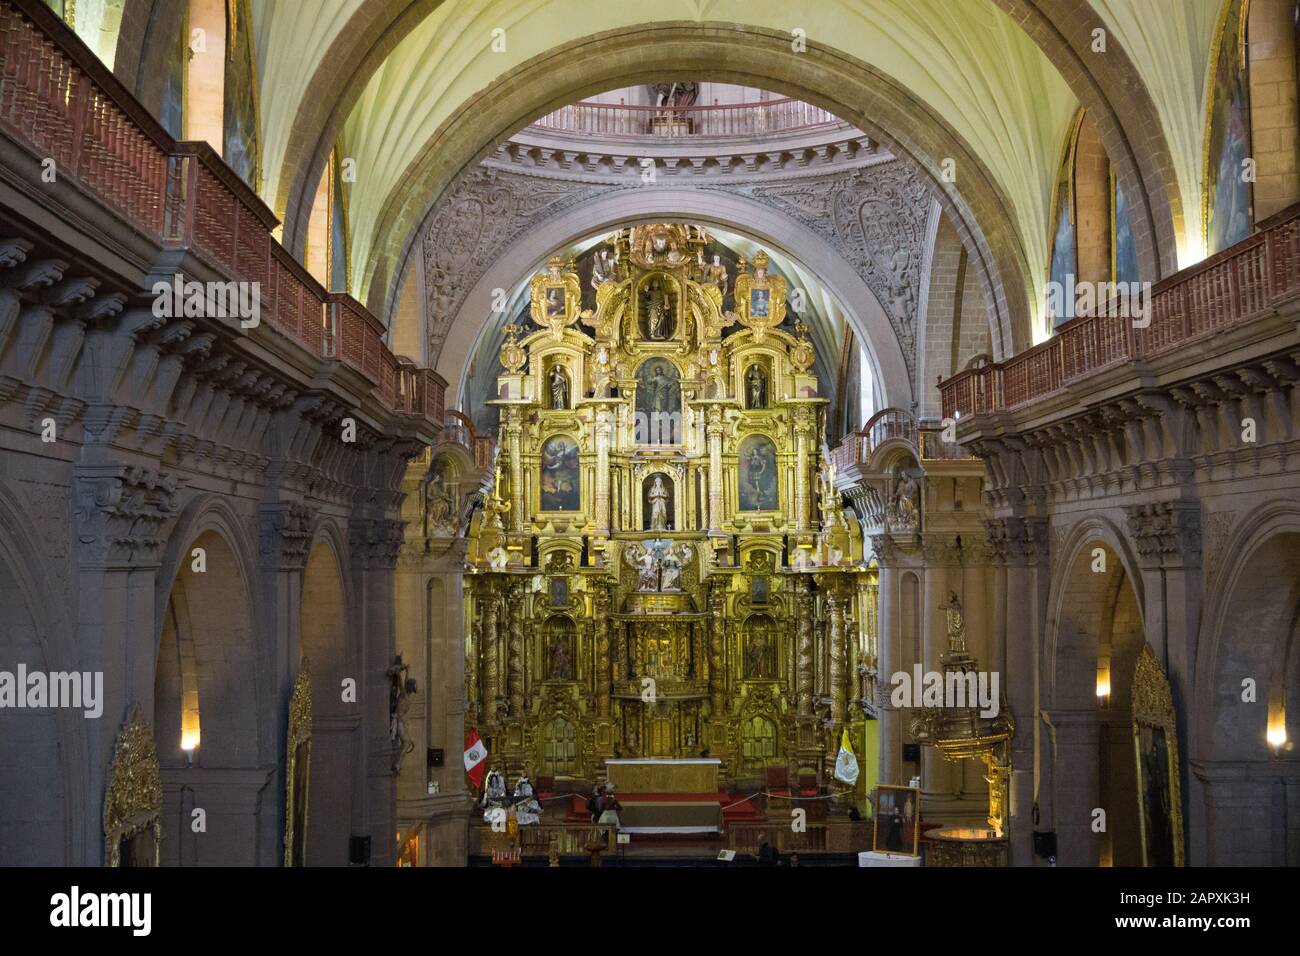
<point x="1075" y="787"/>
<point x="714" y="431"/>
<point x="889" y="659"/>
<point x="1022" y="544"/>
<point x="804" y="674"/>
<point x="515" y="653"/>
<point x="936" y="772"/>
<point x="1168" y="540"/>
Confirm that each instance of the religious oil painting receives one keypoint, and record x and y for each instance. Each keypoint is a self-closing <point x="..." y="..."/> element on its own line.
<point x="1227" y="188"/>
<point x="555" y="304"/>
<point x="897" y="820"/>
<point x="658" y="403"/>
<point x="560" y="479"/>
<point x="757" y="475"/>
<point x="758" y="303"/>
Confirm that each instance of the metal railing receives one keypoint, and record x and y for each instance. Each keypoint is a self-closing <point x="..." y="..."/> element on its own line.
<point x="784" y="115"/>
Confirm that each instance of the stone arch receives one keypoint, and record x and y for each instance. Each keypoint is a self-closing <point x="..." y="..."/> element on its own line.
<point x="1250" y="629"/>
<point x="1063" y="29"/>
<point x="46" y="746"/>
<point x="1095" y="630"/>
<point x="207" y="644"/>
<point x="828" y="78"/>
<point x="332" y="656"/>
<point x="710" y="207"/>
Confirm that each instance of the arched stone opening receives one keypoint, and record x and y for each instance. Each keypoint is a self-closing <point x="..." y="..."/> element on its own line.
<point x="335" y="730"/>
<point x="1095" y="631"/>
<point x="206" y="700"/>
<point x="1248" y="716"/>
<point x="33" y="832"/>
<point x="827" y="78"/>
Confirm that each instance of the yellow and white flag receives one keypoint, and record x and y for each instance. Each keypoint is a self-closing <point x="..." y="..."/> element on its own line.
<point x="846" y="765"/>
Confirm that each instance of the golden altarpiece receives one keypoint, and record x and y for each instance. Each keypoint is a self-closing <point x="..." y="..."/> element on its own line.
<point x="661" y="568"/>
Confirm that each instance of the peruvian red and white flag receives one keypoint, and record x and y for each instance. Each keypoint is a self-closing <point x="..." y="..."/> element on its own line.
<point x="475" y="758"/>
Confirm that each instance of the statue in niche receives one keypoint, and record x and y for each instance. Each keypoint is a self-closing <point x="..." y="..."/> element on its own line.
<point x="758" y="664"/>
<point x="646" y="563"/>
<point x="559" y="387"/>
<point x="657" y="320"/>
<point x="440" y="506"/>
<point x="756" y="387"/>
<point x="660" y="500"/>
<point x="904" y="511"/>
<point x="675" y="257"/>
<point x="559" y="663"/>
<point x="956" y="624"/>
<point x="671" y="565"/>
<point x="716" y="274"/>
<point x="602" y="269"/>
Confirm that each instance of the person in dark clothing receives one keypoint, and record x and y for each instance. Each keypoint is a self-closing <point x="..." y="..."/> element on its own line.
<point x="767" y="855"/>
<point x="593" y="803"/>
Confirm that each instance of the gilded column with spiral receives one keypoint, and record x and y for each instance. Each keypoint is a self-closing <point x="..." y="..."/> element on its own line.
<point x="804" y="669"/>
<point x="512" y="428"/>
<point x="601" y="600"/>
<point x="717" y="686"/>
<point x="839" y="699"/>
<point x="491" y="602"/>
<point x="515" y="658"/>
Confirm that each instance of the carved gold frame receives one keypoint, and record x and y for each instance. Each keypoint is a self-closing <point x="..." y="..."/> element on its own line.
<point x="1153" y="708"/>
<point x="774" y="285"/>
<point x="538" y="290"/>
<point x="297" y="732"/>
<point x="133" y="798"/>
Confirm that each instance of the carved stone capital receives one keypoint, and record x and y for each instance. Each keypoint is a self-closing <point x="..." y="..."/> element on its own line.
<point x="1017" y="540"/>
<point x="284" y="535"/>
<point x="1166" y="533"/>
<point x="123" y="513"/>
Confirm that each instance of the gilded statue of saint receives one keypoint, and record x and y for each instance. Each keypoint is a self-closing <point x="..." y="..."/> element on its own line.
<point x="559" y="382"/>
<point x="956" y="624"/>
<point x="756" y="383"/>
<point x="658" y="505"/>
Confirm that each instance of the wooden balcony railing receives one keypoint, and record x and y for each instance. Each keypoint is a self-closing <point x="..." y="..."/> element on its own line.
<point x="60" y="102"/>
<point x="926" y="441"/>
<point x="1231" y="288"/>
<point x="784" y="115"/>
<point x="459" y="430"/>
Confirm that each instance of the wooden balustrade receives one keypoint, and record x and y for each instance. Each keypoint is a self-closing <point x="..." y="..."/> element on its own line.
<point x="783" y="115"/>
<point x="1231" y="288"/>
<point x="894" y="424"/>
<point x="59" y="101"/>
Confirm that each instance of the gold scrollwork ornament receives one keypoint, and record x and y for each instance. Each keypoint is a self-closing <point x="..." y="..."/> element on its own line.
<point x="760" y="298"/>
<point x="133" y="799"/>
<point x="555" y="298"/>
<point x="297" y="769"/>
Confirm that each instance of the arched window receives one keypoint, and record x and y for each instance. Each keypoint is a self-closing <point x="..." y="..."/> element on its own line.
<point x="757" y="741"/>
<point x="221" y="85"/>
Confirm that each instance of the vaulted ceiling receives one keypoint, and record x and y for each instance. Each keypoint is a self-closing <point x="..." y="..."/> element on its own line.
<point x="978" y="93"/>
